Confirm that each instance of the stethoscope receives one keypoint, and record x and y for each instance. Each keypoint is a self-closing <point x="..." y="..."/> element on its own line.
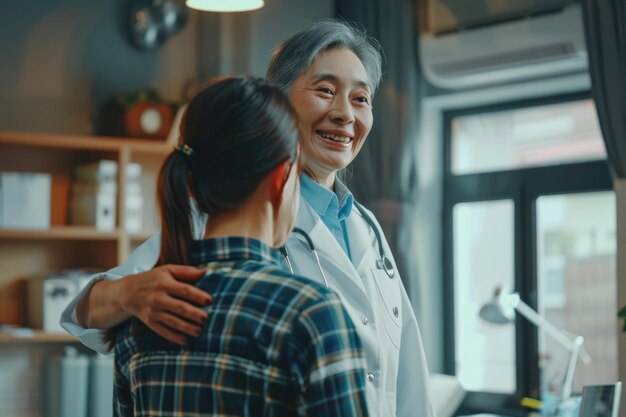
<point x="383" y="262"/>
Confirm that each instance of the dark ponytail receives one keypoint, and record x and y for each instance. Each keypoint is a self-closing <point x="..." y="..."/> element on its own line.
<point x="234" y="132"/>
<point x="175" y="209"/>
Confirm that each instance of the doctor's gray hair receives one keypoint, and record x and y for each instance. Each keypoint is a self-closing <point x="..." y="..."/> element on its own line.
<point x="294" y="56"/>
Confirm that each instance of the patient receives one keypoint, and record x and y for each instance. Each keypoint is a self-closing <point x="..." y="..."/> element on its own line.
<point x="274" y="344"/>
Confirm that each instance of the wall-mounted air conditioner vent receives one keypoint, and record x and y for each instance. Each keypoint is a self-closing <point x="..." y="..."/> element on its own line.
<point x="512" y="59"/>
<point x="535" y="47"/>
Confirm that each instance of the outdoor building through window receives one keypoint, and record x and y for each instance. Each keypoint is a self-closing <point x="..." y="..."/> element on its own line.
<point x="543" y="135"/>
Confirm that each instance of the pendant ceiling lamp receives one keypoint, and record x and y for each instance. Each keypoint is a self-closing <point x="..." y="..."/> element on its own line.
<point x="225" y="5"/>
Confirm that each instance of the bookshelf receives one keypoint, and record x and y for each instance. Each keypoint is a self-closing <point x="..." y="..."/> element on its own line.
<point x="25" y="254"/>
<point x="38" y="336"/>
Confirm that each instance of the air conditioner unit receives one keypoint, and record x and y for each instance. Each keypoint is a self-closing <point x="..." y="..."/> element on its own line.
<point x="532" y="47"/>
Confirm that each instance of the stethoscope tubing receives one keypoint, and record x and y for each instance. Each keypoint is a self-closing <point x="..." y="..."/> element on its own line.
<point x="309" y="241"/>
<point x="383" y="262"/>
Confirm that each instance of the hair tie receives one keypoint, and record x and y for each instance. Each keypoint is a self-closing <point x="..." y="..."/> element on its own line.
<point x="184" y="149"/>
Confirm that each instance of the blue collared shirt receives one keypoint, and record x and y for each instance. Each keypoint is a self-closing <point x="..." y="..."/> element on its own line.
<point x="333" y="208"/>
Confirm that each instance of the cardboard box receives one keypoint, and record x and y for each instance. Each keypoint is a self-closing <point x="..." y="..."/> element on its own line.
<point x="94" y="204"/>
<point x="101" y="171"/>
<point x="94" y="195"/>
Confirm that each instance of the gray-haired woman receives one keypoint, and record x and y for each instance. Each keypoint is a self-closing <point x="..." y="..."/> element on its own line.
<point x="330" y="71"/>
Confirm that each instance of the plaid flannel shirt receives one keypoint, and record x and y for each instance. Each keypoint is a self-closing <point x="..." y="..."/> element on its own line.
<point x="274" y="344"/>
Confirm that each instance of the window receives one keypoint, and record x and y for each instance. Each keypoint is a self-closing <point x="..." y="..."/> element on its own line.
<point x="576" y="254"/>
<point x="483" y="258"/>
<point x="550" y="134"/>
<point x="528" y="208"/>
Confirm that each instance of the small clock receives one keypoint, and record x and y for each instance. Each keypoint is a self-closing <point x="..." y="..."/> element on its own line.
<point x="148" y="120"/>
<point x="138" y="114"/>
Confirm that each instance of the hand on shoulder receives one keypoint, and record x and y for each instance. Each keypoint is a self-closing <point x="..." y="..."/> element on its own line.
<point x="166" y="301"/>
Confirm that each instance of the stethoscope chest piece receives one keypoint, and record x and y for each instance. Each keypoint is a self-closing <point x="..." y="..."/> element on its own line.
<point x="386" y="265"/>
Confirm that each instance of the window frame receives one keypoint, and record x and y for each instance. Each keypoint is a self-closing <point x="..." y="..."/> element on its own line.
<point x="523" y="186"/>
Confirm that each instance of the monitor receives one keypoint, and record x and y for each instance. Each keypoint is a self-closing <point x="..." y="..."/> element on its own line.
<point x="601" y="400"/>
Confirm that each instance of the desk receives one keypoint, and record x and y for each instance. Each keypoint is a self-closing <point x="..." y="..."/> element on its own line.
<point x="496" y="415"/>
<point x="447" y="394"/>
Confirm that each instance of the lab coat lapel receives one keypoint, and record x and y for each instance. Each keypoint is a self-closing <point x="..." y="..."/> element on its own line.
<point x="361" y="240"/>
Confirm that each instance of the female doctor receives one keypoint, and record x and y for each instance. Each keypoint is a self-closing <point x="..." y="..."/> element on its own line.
<point x="330" y="71"/>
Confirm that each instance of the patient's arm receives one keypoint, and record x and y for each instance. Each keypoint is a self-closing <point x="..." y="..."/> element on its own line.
<point x="157" y="297"/>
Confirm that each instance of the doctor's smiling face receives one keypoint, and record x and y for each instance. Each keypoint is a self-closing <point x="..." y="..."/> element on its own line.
<point x="333" y="103"/>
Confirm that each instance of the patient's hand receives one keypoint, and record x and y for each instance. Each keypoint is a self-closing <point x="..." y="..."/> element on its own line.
<point x="164" y="303"/>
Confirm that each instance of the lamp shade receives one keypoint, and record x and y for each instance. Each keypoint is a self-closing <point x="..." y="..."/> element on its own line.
<point x="225" y="5"/>
<point x="500" y="309"/>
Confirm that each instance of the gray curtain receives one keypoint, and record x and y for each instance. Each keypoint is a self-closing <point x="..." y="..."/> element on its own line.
<point x="605" y="30"/>
<point x="384" y="175"/>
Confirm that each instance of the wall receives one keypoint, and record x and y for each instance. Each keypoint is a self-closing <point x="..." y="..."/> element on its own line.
<point x="278" y="20"/>
<point x="60" y="59"/>
<point x="246" y="40"/>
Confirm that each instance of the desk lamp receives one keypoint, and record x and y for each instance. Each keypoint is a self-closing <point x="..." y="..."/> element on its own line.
<point x="501" y="310"/>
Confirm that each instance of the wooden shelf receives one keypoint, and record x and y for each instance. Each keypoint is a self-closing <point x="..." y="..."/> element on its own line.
<point x="61" y="233"/>
<point x="30" y="253"/>
<point x="39" y="336"/>
<point x="84" y="142"/>
<point x="141" y="236"/>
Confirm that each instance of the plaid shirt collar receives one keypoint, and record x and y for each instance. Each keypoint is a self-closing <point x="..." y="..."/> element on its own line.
<point x="232" y="249"/>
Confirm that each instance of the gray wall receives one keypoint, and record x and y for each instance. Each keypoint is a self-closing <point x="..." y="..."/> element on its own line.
<point x="280" y="19"/>
<point x="60" y="59"/>
<point x="246" y="40"/>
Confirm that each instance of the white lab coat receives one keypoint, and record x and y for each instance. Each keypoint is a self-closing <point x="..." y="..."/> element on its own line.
<point x="378" y="305"/>
<point x="393" y="344"/>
